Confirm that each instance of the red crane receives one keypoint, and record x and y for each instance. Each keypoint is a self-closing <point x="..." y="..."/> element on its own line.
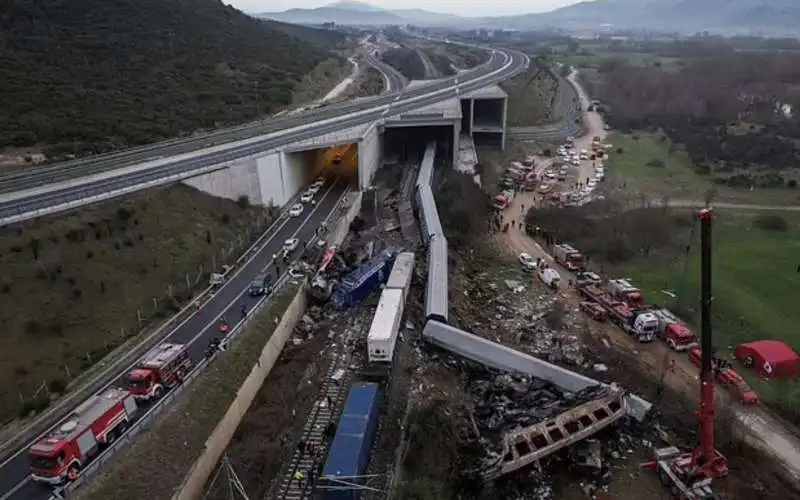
<point x="689" y="475"/>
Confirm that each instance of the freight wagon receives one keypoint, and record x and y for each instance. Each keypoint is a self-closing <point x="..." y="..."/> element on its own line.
<point x="364" y="280"/>
<point x="402" y="272"/>
<point x="385" y="328"/>
<point x="343" y="474"/>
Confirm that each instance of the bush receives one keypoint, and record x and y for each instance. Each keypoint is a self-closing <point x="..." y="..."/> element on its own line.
<point x="33" y="406"/>
<point x="243" y="202"/>
<point x="463" y="208"/>
<point x="57" y="386"/>
<point x="771" y="222"/>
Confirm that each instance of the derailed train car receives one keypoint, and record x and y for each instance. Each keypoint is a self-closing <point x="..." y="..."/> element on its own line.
<point x="429" y="222"/>
<point x="343" y="475"/>
<point x="436" y="299"/>
<point x="364" y="280"/>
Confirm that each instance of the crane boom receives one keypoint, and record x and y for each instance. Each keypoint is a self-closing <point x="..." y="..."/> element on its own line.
<point x="705" y="454"/>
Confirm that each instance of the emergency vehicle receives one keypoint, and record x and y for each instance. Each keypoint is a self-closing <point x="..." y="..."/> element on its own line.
<point x="159" y="371"/>
<point x="61" y="455"/>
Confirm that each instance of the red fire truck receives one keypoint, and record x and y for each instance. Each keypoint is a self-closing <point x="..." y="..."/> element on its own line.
<point x="159" y="371"/>
<point x="624" y="291"/>
<point x="674" y="332"/>
<point x="61" y="455"/>
<point x="569" y="257"/>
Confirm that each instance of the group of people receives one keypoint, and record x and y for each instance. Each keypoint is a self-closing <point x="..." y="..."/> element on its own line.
<point x="305" y="447"/>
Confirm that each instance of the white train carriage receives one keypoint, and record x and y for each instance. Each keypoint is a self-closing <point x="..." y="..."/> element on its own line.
<point x="436" y="299"/>
<point x="425" y="175"/>
<point x="402" y="273"/>
<point x="430" y="223"/>
<point x="385" y="328"/>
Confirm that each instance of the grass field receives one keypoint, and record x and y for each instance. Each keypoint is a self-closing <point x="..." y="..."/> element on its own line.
<point x="596" y="58"/>
<point x="530" y="102"/>
<point x="755" y="284"/>
<point x="72" y="285"/>
<point x="649" y="165"/>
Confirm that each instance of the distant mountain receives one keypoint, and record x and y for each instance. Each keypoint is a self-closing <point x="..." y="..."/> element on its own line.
<point x="352" y="5"/>
<point x="345" y="13"/>
<point x="348" y="12"/>
<point x="426" y="18"/>
<point x="673" y="15"/>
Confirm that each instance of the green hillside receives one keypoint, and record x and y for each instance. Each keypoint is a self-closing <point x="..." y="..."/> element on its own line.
<point x="87" y="76"/>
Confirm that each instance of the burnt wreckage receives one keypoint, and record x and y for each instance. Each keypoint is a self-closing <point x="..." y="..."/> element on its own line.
<point x="523" y="419"/>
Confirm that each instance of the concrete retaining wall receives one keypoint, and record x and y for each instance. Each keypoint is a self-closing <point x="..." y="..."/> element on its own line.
<point x="196" y="478"/>
<point x="241" y="179"/>
<point x="369" y="156"/>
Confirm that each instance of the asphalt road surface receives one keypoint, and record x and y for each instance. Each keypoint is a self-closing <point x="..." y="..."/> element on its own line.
<point x="199" y="329"/>
<point x="38" y="176"/>
<point x="395" y="79"/>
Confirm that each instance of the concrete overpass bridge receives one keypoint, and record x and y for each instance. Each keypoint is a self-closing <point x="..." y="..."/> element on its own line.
<point x="271" y="162"/>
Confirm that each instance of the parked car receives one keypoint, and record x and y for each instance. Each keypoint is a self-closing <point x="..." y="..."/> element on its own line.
<point x="296" y="210"/>
<point x="527" y="261"/>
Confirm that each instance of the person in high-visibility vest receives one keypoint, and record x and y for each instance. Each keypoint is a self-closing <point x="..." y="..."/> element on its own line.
<point x="299" y="476"/>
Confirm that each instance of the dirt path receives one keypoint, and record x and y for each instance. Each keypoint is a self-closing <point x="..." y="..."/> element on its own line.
<point x="756" y="425"/>
<point x="734" y="206"/>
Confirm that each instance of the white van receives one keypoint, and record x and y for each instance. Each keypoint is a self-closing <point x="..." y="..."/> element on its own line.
<point x="550" y="277"/>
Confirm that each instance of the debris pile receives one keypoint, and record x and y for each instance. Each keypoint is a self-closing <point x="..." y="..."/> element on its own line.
<point x="510" y="401"/>
<point x="540" y="327"/>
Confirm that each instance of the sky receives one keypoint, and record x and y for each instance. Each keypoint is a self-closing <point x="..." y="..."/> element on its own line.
<point x="460" y="7"/>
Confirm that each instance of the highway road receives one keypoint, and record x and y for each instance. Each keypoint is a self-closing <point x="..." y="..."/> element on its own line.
<point x="395" y="80"/>
<point x="200" y="328"/>
<point x="14" y="202"/>
<point x="80" y="168"/>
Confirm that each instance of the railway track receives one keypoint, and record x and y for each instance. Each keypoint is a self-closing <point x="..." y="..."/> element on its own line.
<point x="335" y="386"/>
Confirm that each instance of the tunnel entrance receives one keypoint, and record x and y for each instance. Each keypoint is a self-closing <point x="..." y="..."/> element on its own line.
<point x="300" y="168"/>
<point x="405" y="145"/>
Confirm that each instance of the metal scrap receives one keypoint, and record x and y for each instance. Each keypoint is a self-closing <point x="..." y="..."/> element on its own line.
<point x="509" y="401"/>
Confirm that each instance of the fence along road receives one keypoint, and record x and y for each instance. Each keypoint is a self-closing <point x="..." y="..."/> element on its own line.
<point x="201" y="327"/>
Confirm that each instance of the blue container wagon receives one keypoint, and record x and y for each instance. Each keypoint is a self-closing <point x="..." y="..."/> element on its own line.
<point x="343" y="475"/>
